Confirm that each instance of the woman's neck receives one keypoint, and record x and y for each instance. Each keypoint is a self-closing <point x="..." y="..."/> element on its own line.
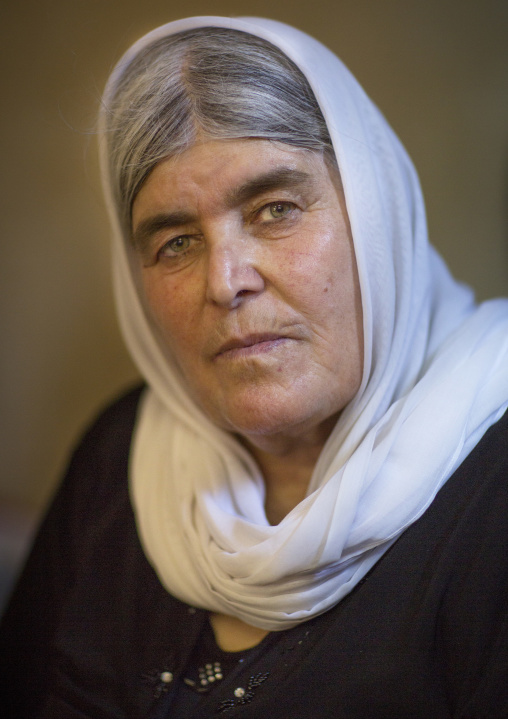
<point x="287" y="469"/>
<point x="286" y="485"/>
<point x="234" y="635"/>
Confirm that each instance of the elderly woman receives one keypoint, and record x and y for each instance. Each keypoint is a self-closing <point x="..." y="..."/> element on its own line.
<point x="303" y="512"/>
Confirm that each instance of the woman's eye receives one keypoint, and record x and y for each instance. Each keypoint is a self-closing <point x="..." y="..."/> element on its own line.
<point x="276" y="211"/>
<point x="177" y="245"/>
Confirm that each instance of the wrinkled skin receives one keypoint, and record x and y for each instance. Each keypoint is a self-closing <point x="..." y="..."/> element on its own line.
<point x="250" y="278"/>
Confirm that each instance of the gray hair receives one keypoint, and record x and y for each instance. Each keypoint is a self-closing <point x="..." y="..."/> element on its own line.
<point x="225" y="84"/>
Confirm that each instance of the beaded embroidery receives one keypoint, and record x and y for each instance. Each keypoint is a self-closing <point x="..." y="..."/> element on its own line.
<point x="208" y="676"/>
<point x="160" y="681"/>
<point x="243" y="696"/>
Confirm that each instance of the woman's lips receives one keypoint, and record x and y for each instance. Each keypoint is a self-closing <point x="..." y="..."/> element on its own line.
<point x="250" y="345"/>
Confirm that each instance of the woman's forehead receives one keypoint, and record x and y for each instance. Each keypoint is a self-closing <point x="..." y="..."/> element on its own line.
<point x="232" y="172"/>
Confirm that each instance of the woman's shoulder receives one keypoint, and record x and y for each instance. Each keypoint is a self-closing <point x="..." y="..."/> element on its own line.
<point x="115" y="421"/>
<point x="476" y="495"/>
<point x="103" y="449"/>
<point x="473" y="503"/>
<point x="490" y="456"/>
<point x="96" y="479"/>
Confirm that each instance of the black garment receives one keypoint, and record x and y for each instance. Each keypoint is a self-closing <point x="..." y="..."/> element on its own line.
<point x="91" y="632"/>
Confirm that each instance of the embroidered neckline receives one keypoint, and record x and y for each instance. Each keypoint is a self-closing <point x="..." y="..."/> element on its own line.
<point x="209" y="664"/>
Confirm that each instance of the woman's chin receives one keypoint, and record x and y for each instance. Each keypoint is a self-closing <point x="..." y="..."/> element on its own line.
<point x="269" y="422"/>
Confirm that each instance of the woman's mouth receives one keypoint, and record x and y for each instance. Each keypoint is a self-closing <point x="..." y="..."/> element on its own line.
<point x="250" y="345"/>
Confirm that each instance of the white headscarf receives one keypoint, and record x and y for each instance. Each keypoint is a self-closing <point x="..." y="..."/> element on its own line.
<point x="435" y="378"/>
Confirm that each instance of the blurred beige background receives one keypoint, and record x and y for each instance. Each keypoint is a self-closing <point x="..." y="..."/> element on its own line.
<point x="437" y="68"/>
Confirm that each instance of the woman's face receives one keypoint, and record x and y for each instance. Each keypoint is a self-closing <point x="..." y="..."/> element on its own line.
<point x="250" y="278"/>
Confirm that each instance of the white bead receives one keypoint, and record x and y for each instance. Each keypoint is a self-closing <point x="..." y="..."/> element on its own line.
<point x="166" y="677"/>
<point x="239" y="692"/>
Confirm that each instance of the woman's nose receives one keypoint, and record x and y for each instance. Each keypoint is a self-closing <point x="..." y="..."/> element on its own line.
<point x="232" y="270"/>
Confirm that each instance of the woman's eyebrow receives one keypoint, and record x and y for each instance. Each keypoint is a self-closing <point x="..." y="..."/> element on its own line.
<point x="146" y="229"/>
<point x="279" y="178"/>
